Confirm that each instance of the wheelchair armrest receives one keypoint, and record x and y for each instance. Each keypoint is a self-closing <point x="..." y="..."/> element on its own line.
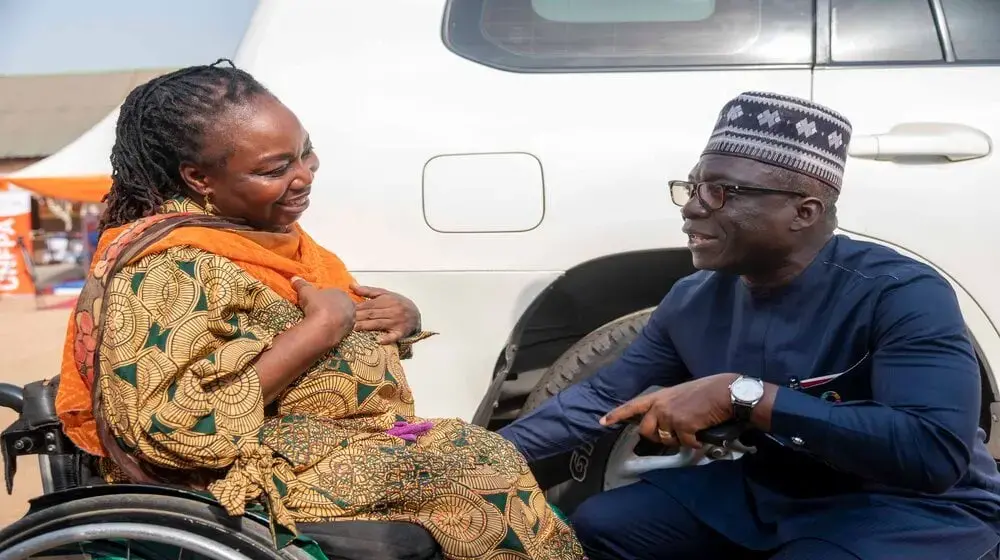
<point x="39" y="407"/>
<point x="37" y="431"/>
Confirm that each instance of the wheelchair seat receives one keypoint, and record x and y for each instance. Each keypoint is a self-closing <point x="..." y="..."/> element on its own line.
<point x="71" y="489"/>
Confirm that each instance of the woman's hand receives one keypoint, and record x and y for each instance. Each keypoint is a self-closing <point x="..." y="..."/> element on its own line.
<point x="385" y="311"/>
<point x="329" y="317"/>
<point x="331" y="309"/>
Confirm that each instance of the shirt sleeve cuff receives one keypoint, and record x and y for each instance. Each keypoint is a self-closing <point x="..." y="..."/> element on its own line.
<point x="799" y="416"/>
<point x="406" y="343"/>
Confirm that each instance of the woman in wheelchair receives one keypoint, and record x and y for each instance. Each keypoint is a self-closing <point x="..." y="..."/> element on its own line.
<point x="214" y="345"/>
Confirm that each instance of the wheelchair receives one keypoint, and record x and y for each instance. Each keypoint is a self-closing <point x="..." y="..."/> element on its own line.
<point x="80" y="516"/>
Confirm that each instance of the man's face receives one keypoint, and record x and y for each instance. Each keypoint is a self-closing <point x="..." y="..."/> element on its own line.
<point x="753" y="230"/>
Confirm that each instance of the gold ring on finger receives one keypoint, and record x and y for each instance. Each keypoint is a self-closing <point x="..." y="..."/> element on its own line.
<point x="665" y="434"/>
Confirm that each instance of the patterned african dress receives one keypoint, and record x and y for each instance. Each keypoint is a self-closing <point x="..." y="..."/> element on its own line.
<point x="182" y="329"/>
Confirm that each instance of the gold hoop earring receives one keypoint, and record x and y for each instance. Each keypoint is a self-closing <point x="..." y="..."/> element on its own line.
<point x="209" y="207"/>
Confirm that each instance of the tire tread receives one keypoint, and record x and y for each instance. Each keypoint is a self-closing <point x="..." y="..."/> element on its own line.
<point x="592" y="352"/>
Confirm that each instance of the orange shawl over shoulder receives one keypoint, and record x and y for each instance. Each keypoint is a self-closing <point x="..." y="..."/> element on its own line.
<point x="272" y="258"/>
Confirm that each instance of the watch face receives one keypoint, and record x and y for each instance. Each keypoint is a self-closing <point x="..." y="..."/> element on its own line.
<point x="747" y="390"/>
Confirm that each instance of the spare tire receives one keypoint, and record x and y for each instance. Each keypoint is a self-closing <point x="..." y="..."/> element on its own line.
<point x="573" y="477"/>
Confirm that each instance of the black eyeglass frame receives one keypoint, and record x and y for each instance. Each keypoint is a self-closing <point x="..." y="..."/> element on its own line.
<point x="692" y="188"/>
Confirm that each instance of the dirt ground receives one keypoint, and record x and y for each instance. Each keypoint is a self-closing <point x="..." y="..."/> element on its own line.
<point x="31" y="348"/>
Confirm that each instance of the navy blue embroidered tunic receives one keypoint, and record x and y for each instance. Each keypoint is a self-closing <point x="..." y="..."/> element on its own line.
<point x="898" y="464"/>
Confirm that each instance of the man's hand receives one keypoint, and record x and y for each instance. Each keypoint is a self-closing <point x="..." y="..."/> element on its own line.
<point x="385" y="311"/>
<point x="676" y="413"/>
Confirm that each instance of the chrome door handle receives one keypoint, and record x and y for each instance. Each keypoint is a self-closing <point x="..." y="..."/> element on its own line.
<point x="955" y="142"/>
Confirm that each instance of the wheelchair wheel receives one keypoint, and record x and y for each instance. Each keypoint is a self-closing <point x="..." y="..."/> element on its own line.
<point x="140" y="526"/>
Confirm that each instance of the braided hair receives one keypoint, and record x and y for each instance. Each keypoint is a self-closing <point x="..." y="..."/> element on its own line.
<point x="161" y="125"/>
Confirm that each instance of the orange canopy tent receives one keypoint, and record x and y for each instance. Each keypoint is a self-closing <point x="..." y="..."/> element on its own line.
<point x="77" y="189"/>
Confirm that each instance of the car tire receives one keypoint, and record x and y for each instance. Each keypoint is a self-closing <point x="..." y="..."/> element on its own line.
<point x="571" y="478"/>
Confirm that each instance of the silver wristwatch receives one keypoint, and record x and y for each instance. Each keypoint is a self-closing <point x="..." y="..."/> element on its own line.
<point x="745" y="393"/>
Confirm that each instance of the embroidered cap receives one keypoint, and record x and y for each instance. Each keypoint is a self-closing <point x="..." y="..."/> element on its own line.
<point x="785" y="131"/>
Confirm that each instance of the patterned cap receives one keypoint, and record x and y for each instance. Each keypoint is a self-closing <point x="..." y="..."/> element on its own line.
<point x="788" y="132"/>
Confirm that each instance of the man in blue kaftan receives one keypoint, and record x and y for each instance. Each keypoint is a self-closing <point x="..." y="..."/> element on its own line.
<point x="850" y="363"/>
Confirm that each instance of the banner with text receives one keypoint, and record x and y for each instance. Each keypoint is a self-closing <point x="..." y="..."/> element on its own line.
<point x="15" y="243"/>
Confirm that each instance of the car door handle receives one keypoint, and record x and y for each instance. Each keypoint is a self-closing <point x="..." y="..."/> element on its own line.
<point x="956" y="142"/>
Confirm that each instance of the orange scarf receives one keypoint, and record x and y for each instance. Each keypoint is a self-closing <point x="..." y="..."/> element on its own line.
<point x="272" y="258"/>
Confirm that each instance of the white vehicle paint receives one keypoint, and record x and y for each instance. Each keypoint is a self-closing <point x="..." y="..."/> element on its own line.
<point x="473" y="189"/>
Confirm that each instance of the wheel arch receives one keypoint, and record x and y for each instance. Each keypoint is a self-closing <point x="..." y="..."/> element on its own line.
<point x="580" y="300"/>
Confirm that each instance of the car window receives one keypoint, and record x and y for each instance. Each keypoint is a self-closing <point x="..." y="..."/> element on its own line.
<point x="883" y="31"/>
<point x="563" y="35"/>
<point x="975" y="28"/>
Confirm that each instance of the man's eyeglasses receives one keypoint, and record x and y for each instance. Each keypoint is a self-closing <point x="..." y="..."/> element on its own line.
<point x="712" y="196"/>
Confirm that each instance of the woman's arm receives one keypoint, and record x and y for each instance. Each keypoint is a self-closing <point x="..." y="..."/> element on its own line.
<point x="190" y="354"/>
<point x="293" y="352"/>
<point x="329" y="317"/>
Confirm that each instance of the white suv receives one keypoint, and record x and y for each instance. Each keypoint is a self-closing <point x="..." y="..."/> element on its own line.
<point x="505" y="163"/>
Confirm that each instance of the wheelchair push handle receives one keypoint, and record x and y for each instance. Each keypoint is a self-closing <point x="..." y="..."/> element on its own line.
<point x="723" y="434"/>
<point x="720" y="434"/>
<point x="12" y="397"/>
